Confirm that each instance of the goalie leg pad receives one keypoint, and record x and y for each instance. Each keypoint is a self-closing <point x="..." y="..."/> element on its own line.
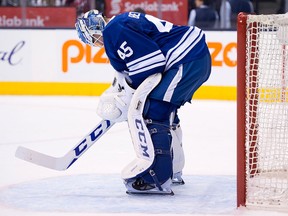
<point x="156" y="179"/>
<point x="145" y="172"/>
<point x="162" y="164"/>
<point x="177" y="148"/>
<point x="178" y="154"/>
<point x="140" y="135"/>
<point x="158" y="174"/>
<point x="159" y="112"/>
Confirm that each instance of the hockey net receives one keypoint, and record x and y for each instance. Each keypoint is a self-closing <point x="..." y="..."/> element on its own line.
<point x="262" y="111"/>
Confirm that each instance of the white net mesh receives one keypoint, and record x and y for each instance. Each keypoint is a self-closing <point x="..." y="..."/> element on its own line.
<point x="267" y="111"/>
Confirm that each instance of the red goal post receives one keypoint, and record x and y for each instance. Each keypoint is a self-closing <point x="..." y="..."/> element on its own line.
<point x="262" y="111"/>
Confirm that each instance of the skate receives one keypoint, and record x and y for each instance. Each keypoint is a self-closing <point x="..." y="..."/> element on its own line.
<point x="142" y="188"/>
<point x="177" y="179"/>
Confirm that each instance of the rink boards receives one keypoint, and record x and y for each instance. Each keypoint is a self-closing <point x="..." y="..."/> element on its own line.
<point x="55" y="62"/>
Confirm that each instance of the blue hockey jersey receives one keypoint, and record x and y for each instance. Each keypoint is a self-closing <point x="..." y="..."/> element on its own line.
<point x="141" y="45"/>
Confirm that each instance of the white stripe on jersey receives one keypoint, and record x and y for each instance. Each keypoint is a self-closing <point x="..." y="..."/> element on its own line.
<point x="158" y="64"/>
<point x="187" y="42"/>
<point x="143" y="58"/>
<point x="173" y="84"/>
<point x="146" y="62"/>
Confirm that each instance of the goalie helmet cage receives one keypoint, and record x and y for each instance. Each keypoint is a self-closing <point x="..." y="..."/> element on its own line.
<point x="262" y="111"/>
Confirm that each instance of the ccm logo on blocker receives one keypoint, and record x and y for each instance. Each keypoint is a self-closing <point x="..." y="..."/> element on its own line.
<point x="222" y="55"/>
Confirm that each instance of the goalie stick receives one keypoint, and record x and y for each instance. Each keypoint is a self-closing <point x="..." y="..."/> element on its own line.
<point x="63" y="163"/>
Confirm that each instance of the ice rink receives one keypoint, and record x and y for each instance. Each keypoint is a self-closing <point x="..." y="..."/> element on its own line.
<point x="93" y="186"/>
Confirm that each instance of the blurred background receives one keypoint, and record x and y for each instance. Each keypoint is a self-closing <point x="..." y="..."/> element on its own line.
<point x="208" y="14"/>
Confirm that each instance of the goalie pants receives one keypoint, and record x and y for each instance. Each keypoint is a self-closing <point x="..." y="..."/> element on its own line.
<point x="177" y="87"/>
<point x="179" y="84"/>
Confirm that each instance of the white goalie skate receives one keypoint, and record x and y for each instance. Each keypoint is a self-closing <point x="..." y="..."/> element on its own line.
<point x="140" y="187"/>
<point x="177" y="179"/>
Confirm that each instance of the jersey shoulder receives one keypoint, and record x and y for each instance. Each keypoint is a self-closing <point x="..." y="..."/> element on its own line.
<point x="129" y="20"/>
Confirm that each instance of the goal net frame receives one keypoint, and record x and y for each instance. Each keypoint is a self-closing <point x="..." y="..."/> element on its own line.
<point x="250" y="99"/>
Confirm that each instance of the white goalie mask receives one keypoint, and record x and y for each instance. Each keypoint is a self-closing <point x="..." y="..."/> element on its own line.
<point x="90" y="28"/>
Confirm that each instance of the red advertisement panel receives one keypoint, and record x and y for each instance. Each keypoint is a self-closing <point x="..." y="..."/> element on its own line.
<point x="173" y="11"/>
<point x="44" y="17"/>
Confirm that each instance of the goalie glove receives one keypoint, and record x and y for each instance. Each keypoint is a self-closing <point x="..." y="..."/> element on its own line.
<point x="115" y="101"/>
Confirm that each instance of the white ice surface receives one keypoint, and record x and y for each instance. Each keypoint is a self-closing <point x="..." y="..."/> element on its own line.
<point x="92" y="186"/>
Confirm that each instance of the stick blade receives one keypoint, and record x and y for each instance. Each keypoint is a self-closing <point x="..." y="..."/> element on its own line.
<point x="38" y="158"/>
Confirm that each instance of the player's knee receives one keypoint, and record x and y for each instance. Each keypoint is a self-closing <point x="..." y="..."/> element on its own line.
<point x="158" y="110"/>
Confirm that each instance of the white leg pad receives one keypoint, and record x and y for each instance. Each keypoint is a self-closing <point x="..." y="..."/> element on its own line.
<point x="178" y="153"/>
<point x="140" y="135"/>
